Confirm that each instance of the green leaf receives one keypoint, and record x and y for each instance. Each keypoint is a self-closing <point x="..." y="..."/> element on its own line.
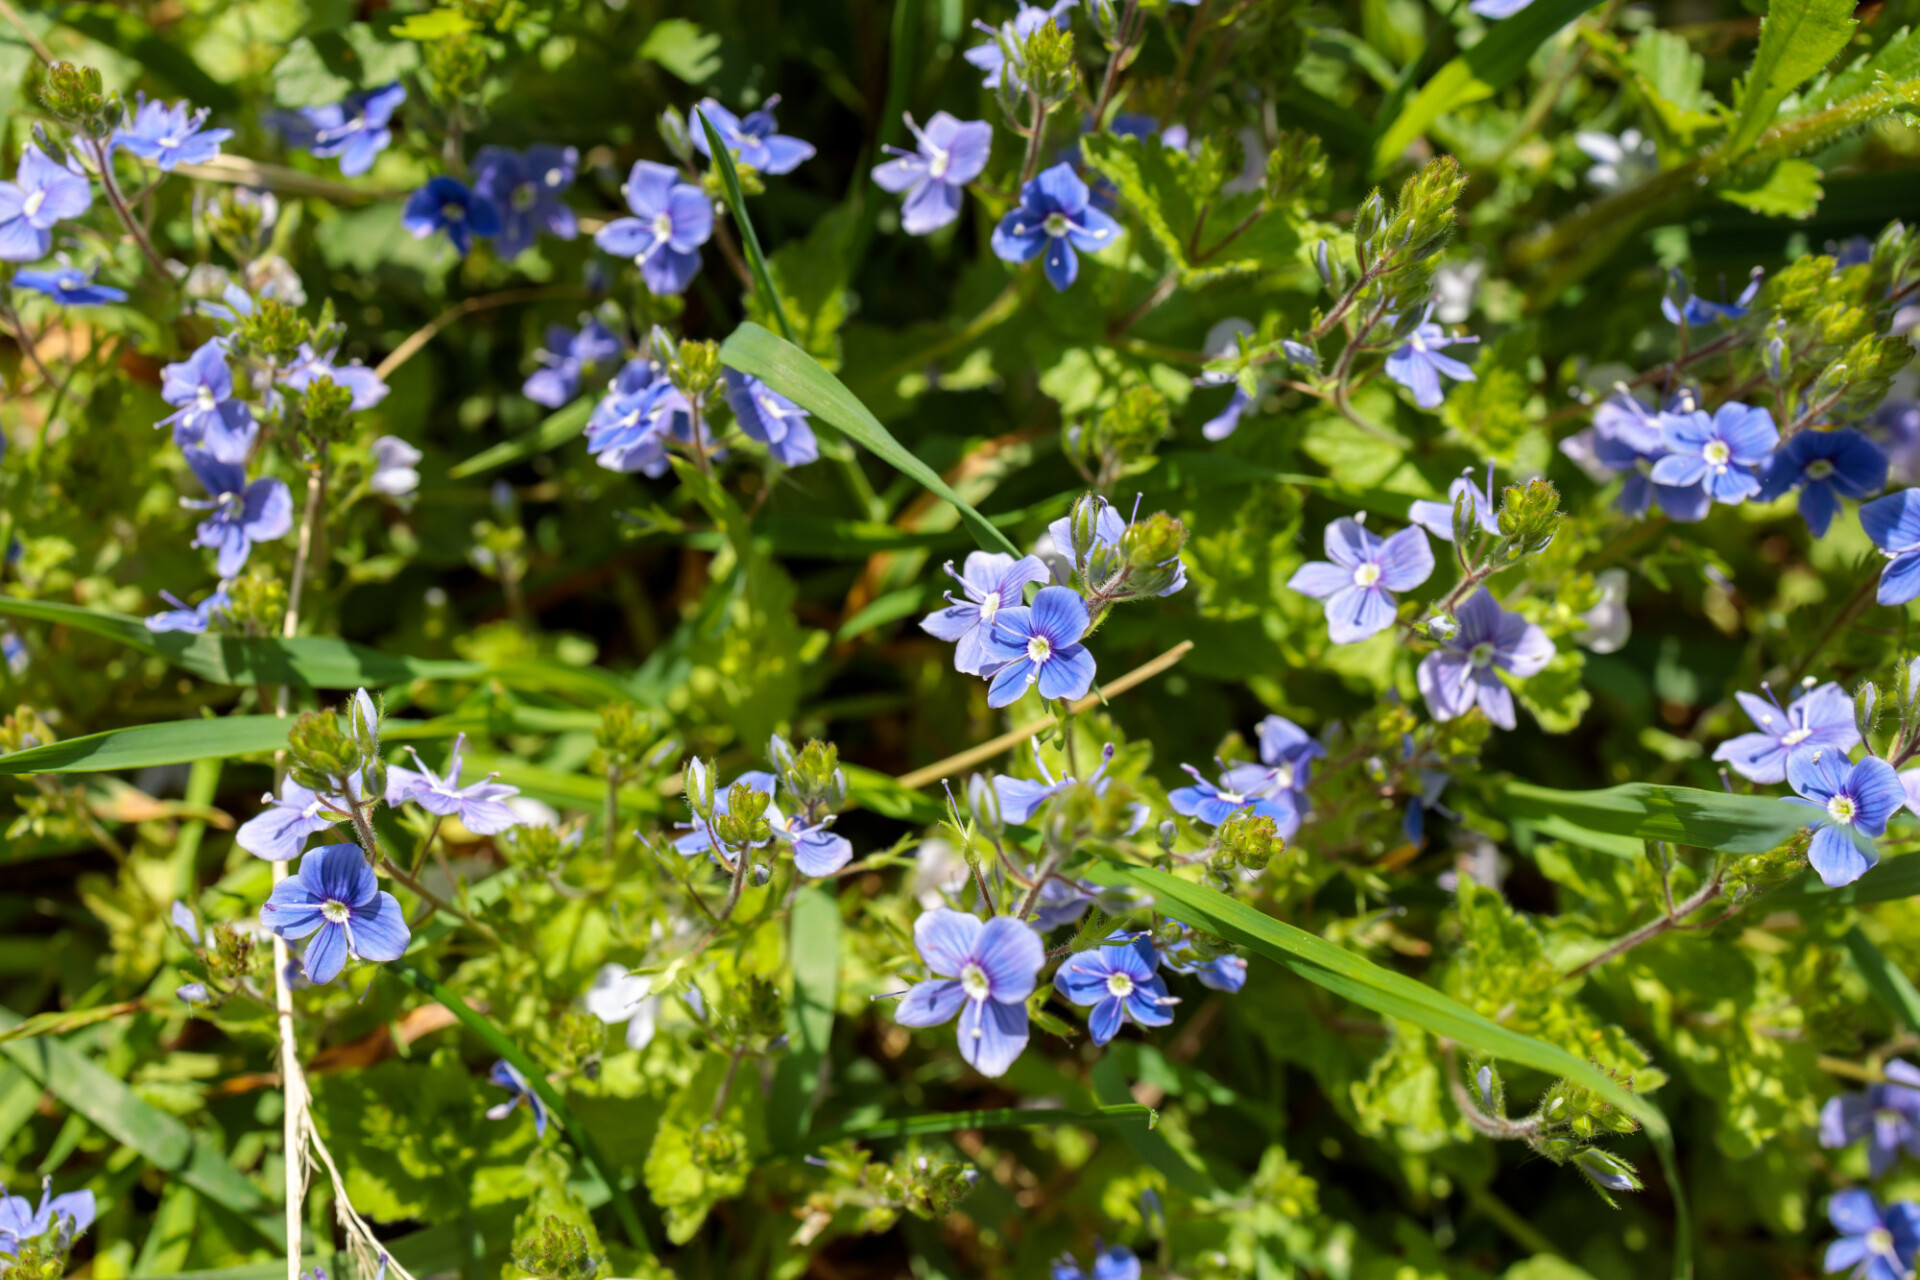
<point x="115" y="1110"/>
<point x="1176" y="195"/>
<point x="328" y="65"/>
<point x="1555" y="695"/>
<point x="1110" y="1085"/>
<point x="435" y="24"/>
<point x="554" y="430"/>
<point x="1899" y="58"/>
<point x="1000" y="1118"/>
<point x="1797" y="39"/>
<point x="129" y="33"/>
<point x="813" y="949"/>
<point x="683" y="48"/>
<point x="1670" y="75"/>
<point x="1682" y="815"/>
<point x="307" y="661"/>
<point x="1892" y="880"/>
<point x="1791" y="190"/>
<point x="1477" y="74"/>
<point x="769" y="297"/>
<point x="799" y="377"/>
<point x="1890" y="987"/>
<point x="140" y="746"/>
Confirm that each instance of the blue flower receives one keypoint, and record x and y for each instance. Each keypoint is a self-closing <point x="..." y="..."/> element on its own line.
<point x="1359" y="576"/>
<point x="1819" y="720"/>
<point x="193" y="993"/>
<point x="170" y="136"/>
<point x="1854" y="803"/>
<point x="1108" y="529"/>
<point x="481" y="806"/>
<point x="1626" y="440"/>
<point x="991" y="581"/>
<point x="992" y="58"/>
<point x="630" y="427"/>
<point x="1418" y="364"/>
<point x="69" y="286"/>
<point x="673" y="219"/>
<point x="816" y="850"/>
<point x="243" y="512"/>
<point x="1887" y="1115"/>
<point x="1876" y="1245"/>
<point x="1466" y="670"/>
<point x="1018" y="798"/>
<point x="280" y="833"/>
<point x="41" y="194"/>
<point x="208" y="415"/>
<point x="526" y="188"/>
<point x="951" y="153"/>
<point x="1120" y="981"/>
<point x="1116" y="1263"/>
<point x="753" y="139"/>
<point x="356" y="129"/>
<point x="1718" y="453"/>
<point x="1483" y="508"/>
<point x="367" y="386"/>
<point x="768" y="417"/>
<point x="1227" y="421"/>
<point x="1242" y="788"/>
<point x="1054" y="216"/>
<point x="1893" y="524"/>
<point x="1226" y="972"/>
<point x="192" y="619"/>
<point x="67" y="1215"/>
<point x="568" y="360"/>
<point x="508" y="1077"/>
<point x="1039" y="645"/>
<point x="395" y="467"/>
<point x="700" y="839"/>
<point x="334" y="898"/>
<point x="984" y="973"/>
<point x="1826" y="466"/>
<point x="1696" y="311"/>
<point x="1497" y="9"/>
<point x="445" y="204"/>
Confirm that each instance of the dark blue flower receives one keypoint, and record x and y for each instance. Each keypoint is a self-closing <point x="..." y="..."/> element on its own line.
<point x="1626" y="440"/>
<point x="1039" y="645"/>
<point x="508" y="1077"/>
<point x="1893" y="524"/>
<point x="1853" y="801"/>
<point x="1887" y="1115"/>
<point x="1465" y="671"/>
<point x="367" y="386"/>
<point x="65" y="1215"/>
<point x="1116" y="1263"/>
<point x="1119" y="979"/>
<point x="1054" y="216"/>
<point x="631" y="426"/>
<point x="1419" y="363"/>
<point x="170" y="136"/>
<point x="334" y="898"/>
<point x="1360" y="575"/>
<point x="1226" y="972"/>
<point x="672" y="220"/>
<point x="1718" y="453"/>
<point x="1243" y="788"/>
<point x="984" y="973"/>
<point x="445" y="204"/>
<point x="1820" y="719"/>
<point x="243" y="512"/>
<point x="991" y="57"/>
<point x="1876" y="1245"/>
<point x="526" y="188"/>
<point x="69" y="286"/>
<point x="768" y="417"/>
<point x="951" y="153"/>
<point x="1825" y="466"/>
<point x="1696" y="311"/>
<point x="569" y="360"/>
<point x="481" y="806"/>
<point x="752" y="139"/>
<point x="356" y="129"/>
<point x="41" y="194"/>
<point x="192" y="619"/>
<point x="208" y="415"/>
<point x="990" y="581"/>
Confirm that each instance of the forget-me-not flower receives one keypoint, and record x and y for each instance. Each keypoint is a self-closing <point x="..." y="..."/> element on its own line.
<point x="281" y="830"/>
<point x="630" y="427"/>
<point x="1120" y="981"/>
<point x="1115" y="1263"/>
<point x="1248" y="788"/>
<point x="207" y="414"/>
<point x="989" y="582"/>
<point x="984" y="973"/>
<point x="1893" y="524"/>
<point x="768" y="417"/>
<point x="243" y="512"/>
<point x="1483" y="507"/>
<point x="481" y="806"/>
<point x="1819" y="719"/>
<point x="525" y="187"/>
<point x="751" y="138"/>
<point x="950" y="154"/>
<point x="1054" y="216"/>
<point x="1360" y="575"/>
<point x="1718" y="453"/>
<point x="447" y="204"/>
<point x="170" y="136"/>
<point x="68" y="1215"/>
<point x="509" y="1077"/>
<point x="192" y="619"/>
<point x="1418" y="363"/>
<point x="1465" y="671"/>
<point x="1887" y="1115"/>
<point x="1039" y="644"/>
<point x="992" y="58"/>
<point x="1825" y="466"/>
<point x="335" y="898"/>
<point x="41" y="194"/>
<point x="1226" y="972"/>
<point x="69" y="287"/>
<point x="569" y="359"/>
<point x="1876" y="1245"/>
<point x="1853" y="803"/>
<point x="356" y="129"/>
<point x="1626" y="441"/>
<point x="672" y="220"/>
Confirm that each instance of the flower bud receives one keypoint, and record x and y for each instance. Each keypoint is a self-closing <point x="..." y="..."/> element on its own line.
<point x="1084" y="521"/>
<point x="673" y="132"/>
<point x="1866" y="709"/>
<point x="1167" y="833"/>
<point x="1442" y="627"/>
<point x="780" y="754"/>
<point x="1606" y="1171"/>
<point x="698" y="780"/>
<point x="983" y="802"/>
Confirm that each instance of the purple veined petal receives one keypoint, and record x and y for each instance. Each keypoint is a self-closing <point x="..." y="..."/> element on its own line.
<point x="1068" y="673"/>
<point x="968" y="149"/>
<point x="1480" y="620"/>
<point x="1877" y="792"/>
<point x="326" y="955"/>
<point x="1839" y="856"/>
<point x="1451" y="367"/>
<point x="1413" y="371"/>
<point x="379" y="929"/>
<point x="1082" y="978"/>
<point x="12" y="200"/>
<point x="1406" y="559"/>
<point x="624" y="237"/>
<point x="1749" y="432"/>
<point x="1058" y="188"/>
<point x="945" y="939"/>
<point x="1818" y="505"/>
<point x="1685" y="432"/>
<point x="952" y="623"/>
<point x="291" y="910"/>
<point x="822" y="853"/>
<point x="1528" y="654"/>
<point x="1435" y="517"/>
<point x="1900" y="580"/>
<point x="1148" y="1006"/>
<point x="338" y="873"/>
<point x="1093" y="231"/>
<point x="1893" y="522"/>
<point x="1318" y="579"/>
<point x="1853" y="1212"/>
<point x="1818" y="775"/>
<point x="1010" y="682"/>
<point x="1910" y="783"/>
<point x="649" y="183"/>
<point x="1444" y="680"/>
<point x="278" y="834"/>
<point x="1350" y="544"/>
<point x="1846" y="1252"/>
<point x="974" y="656"/>
<point x="1731" y="485"/>
<point x="1013" y="582"/>
<point x="930" y="1003"/>
<point x="1495" y="699"/>
<point x="1062" y="266"/>
<point x="1757" y="757"/>
<point x="931" y="206"/>
<point x="1059" y="615"/>
<point x="267" y="512"/>
<point x="1012" y="955"/>
<point x="992" y="1035"/>
<point x="1019" y="238"/>
<point x="1108" y="1016"/>
<point x="21" y="241"/>
<point x="488" y="814"/>
<point x="692" y="215"/>
<point x="784" y="154"/>
<point x="1019" y="797"/>
<point x="900" y="173"/>
<point x="668" y="272"/>
<point x="1357" y="613"/>
<point x="1679" y="470"/>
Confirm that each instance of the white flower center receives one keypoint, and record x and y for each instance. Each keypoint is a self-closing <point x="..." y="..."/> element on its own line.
<point x="451" y="212"/>
<point x="974" y="981"/>
<point x="1232" y="797"/>
<point x="1795" y="738"/>
<point x="938" y="165"/>
<point x="1366" y="575"/>
<point x="1880" y="1241"/>
<point x="662" y="225"/>
<point x="554" y="178"/>
<point x="1119" y="984"/>
<point x="1056" y="225"/>
<point x="203" y="400"/>
<point x="1819" y="469"/>
<point x="989" y="606"/>
<point x="1716" y="452"/>
<point x="1842" y="810"/>
<point x="1039" y="649"/>
<point x="34" y="201"/>
<point x="335" y="911"/>
<point x="1284" y="776"/>
<point x="1481" y="655"/>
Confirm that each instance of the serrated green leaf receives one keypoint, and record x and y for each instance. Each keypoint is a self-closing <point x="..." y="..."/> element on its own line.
<point x="683" y="48"/>
<point x="1899" y="58"/>
<point x="435" y="24"/>
<point x="1791" y="190"/>
<point x="1681" y="815"/>
<point x="1671" y="76"/>
<point x="1797" y="39"/>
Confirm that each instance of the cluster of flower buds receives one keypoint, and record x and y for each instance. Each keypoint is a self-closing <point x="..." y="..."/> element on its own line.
<point x="1117" y="562"/>
<point x="329" y="749"/>
<point x="812" y="777"/>
<point x="926" y="1187"/>
<point x="557" y="1250"/>
<point x="77" y="97"/>
<point x="1247" y="839"/>
<point x="1039" y="67"/>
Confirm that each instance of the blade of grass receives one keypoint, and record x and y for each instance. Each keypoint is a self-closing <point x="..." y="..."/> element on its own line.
<point x="750" y="239"/>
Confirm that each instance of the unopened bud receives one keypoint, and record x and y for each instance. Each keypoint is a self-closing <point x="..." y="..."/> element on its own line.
<point x="673" y="132"/>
